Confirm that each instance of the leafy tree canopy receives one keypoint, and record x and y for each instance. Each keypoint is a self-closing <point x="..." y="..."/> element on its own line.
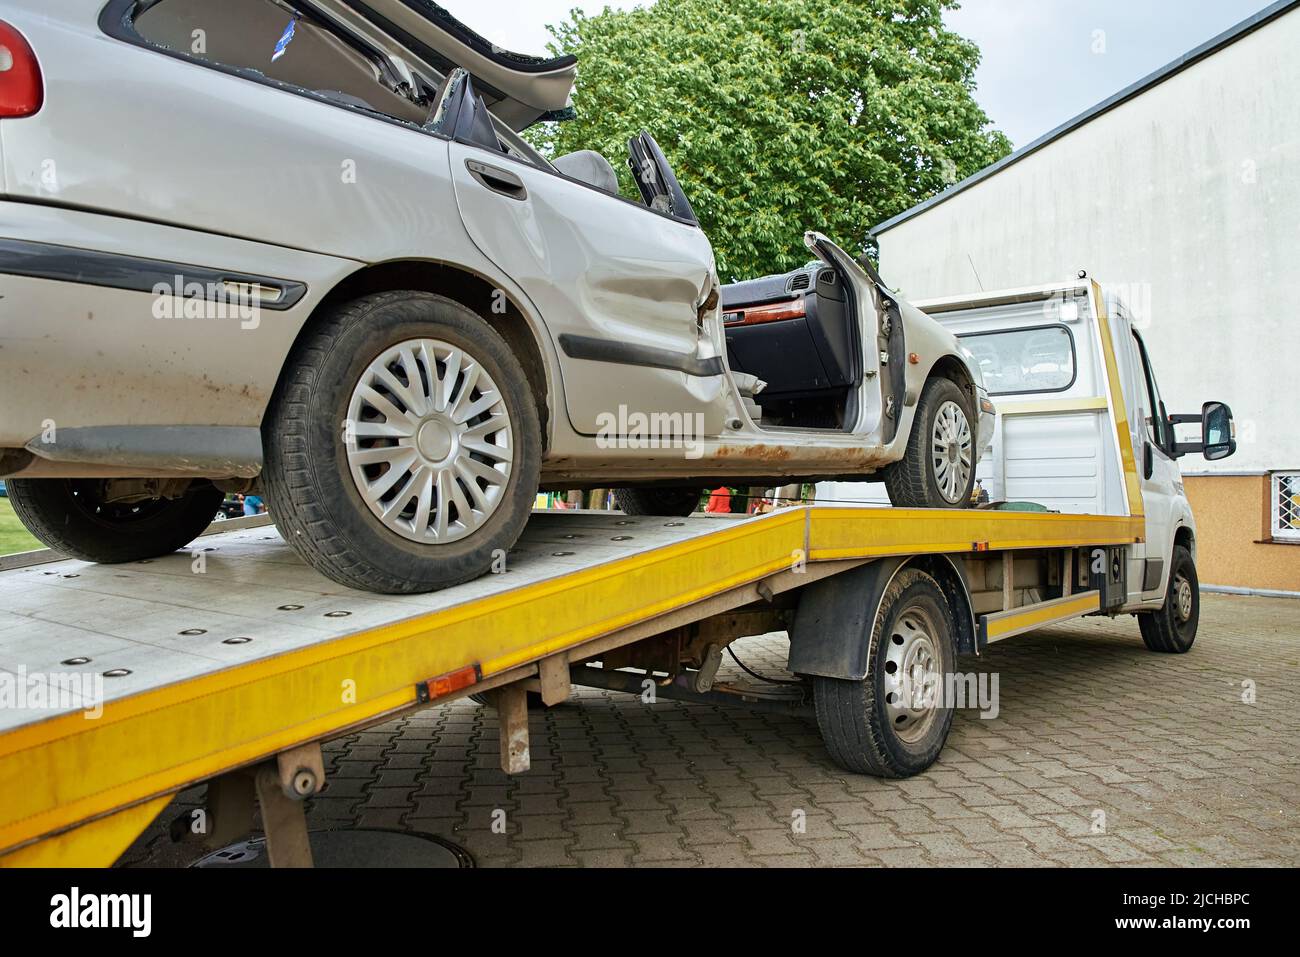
<point x="781" y="115"/>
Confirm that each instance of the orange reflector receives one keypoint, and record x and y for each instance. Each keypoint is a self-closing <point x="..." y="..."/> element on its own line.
<point x="913" y="358"/>
<point x="449" y="683"/>
<point x="980" y="546"/>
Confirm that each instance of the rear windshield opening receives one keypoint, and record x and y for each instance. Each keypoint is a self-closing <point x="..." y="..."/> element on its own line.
<point x="247" y="34"/>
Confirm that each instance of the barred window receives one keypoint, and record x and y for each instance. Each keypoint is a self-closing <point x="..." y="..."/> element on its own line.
<point x="1286" y="506"/>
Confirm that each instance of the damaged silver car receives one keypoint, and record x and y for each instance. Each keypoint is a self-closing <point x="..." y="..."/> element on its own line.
<point x="300" y="248"/>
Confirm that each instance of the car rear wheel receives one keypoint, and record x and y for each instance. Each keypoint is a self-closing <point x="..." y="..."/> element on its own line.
<point x="1172" y="628"/>
<point x="78" y="518"/>
<point x="667" y="502"/>
<point x="938" y="468"/>
<point x="402" y="446"/>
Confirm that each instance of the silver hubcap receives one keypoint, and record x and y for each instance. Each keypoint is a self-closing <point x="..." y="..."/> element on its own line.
<point x="950" y="451"/>
<point x="1183" y="598"/>
<point x="429" y="441"/>
<point x="913" y="675"/>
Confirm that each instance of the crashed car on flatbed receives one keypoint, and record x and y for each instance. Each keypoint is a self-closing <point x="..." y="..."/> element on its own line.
<point x="299" y="248"/>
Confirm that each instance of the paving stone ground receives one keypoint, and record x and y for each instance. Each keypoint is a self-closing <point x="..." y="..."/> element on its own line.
<point x="1102" y="753"/>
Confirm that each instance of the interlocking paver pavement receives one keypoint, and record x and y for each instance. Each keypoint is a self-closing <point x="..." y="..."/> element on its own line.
<point x="1102" y="753"/>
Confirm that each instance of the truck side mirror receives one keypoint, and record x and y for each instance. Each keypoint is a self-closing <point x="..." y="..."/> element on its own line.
<point x="1218" y="434"/>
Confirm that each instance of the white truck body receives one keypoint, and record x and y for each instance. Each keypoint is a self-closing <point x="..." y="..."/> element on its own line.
<point x="1044" y="357"/>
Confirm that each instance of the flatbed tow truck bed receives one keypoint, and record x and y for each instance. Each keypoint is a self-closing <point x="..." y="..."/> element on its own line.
<point x="235" y="656"/>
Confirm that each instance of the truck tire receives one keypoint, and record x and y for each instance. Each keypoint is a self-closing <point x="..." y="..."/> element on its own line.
<point x="418" y="385"/>
<point x="70" y="516"/>
<point x="937" y="469"/>
<point x="667" y="502"/>
<point x="875" y="726"/>
<point x="1171" y="629"/>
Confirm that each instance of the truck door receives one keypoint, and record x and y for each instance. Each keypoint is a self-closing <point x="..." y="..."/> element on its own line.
<point x="1153" y="444"/>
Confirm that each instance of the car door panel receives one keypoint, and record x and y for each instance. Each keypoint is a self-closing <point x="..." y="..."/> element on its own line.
<point x="610" y="279"/>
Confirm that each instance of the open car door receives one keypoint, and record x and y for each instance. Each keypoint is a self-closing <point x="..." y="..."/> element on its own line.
<point x="880" y="327"/>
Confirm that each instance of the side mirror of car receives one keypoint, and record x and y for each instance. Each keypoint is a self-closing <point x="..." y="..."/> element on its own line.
<point x="1218" y="433"/>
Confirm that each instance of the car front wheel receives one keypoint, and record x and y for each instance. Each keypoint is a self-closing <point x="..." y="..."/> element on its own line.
<point x="403" y="446"/>
<point x="937" y="469"/>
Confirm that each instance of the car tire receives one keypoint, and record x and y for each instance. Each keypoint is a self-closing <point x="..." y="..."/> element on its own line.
<point x="866" y="725"/>
<point x="375" y="387"/>
<point x="665" y="502"/>
<point x="924" y="477"/>
<point x="1171" y="629"/>
<point x="70" y="516"/>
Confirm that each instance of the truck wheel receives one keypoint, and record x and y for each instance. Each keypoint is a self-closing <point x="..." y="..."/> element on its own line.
<point x="71" y="516"/>
<point x="668" y="502"/>
<point x="1172" y="627"/>
<point x="402" y="445"/>
<point x="894" y="722"/>
<point x="937" y="469"/>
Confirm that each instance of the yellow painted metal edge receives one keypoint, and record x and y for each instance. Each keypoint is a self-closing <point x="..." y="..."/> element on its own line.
<point x="60" y="772"/>
<point x="836" y="533"/>
<point x="1119" y="407"/>
<point x="1007" y="623"/>
<point x="97" y="843"/>
<point x="1095" y="403"/>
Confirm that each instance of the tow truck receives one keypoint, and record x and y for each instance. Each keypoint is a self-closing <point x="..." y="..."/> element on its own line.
<point x="232" y="662"/>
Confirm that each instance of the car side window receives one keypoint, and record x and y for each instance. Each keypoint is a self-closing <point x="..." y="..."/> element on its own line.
<point x="1158" y="429"/>
<point x="272" y="41"/>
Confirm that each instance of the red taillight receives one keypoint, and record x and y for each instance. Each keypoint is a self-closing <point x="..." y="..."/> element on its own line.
<point x="21" y="90"/>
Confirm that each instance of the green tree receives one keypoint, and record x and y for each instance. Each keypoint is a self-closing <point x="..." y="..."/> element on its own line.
<point x="781" y="115"/>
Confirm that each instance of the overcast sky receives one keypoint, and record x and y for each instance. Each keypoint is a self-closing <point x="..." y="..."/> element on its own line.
<point x="1044" y="60"/>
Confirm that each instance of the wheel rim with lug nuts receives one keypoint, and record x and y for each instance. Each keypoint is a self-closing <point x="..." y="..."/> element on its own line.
<point x="1182" y="599"/>
<point x="913" y="675"/>
<point x="429" y="441"/>
<point x="950" y="448"/>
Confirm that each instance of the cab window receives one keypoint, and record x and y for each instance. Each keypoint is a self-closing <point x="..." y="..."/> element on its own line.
<point x="1158" y="429"/>
<point x="1033" y="359"/>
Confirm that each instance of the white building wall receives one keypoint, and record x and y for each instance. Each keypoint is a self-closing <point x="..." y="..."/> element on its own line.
<point x="1186" y="201"/>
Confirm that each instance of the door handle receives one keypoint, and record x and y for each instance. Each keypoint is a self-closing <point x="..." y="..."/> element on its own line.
<point x="498" y="180"/>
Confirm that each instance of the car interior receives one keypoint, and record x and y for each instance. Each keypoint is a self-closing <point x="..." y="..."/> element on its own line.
<point x="796" y="333"/>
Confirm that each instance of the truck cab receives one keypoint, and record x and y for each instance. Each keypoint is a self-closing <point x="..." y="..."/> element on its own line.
<point x="1080" y="425"/>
